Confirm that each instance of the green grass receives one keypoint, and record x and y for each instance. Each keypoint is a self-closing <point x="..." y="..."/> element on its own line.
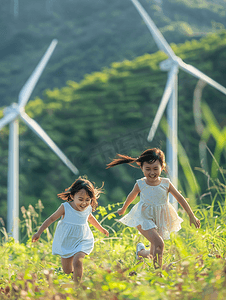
<point x="197" y="258"/>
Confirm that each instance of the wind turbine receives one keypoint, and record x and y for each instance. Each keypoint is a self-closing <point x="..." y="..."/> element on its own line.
<point x="16" y="8"/>
<point x="49" y="4"/>
<point x="172" y="66"/>
<point x="11" y="116"/>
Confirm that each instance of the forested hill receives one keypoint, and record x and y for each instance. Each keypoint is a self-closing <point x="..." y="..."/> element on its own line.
<point x="91" y="34"/>
<point x="111" y="112"/>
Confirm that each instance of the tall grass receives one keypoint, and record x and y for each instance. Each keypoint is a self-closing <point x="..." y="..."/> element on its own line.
<point x="194" y="260"/>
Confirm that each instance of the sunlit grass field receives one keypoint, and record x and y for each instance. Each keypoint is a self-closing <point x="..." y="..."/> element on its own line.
<point x="194" y="260"/>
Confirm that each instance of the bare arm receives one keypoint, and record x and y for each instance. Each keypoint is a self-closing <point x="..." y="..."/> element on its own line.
<point x="93" y="221"/>
<point x="185" y="205"/>
<point x="57" y="214"/>
<point x="132" y="195"/>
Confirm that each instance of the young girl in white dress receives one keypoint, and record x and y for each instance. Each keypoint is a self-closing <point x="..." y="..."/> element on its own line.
<point x="153" y="215"/>
<point x="73" y="239"/>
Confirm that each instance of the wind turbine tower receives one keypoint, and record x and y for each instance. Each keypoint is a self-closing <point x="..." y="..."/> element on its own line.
<point x="16" y="8"/>
<point x="11" y="116"/>
<point x="170" y="95"/>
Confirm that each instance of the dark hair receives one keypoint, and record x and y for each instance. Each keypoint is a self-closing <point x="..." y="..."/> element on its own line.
<point x="149" y="156"/>
<point x="79" y="184"/>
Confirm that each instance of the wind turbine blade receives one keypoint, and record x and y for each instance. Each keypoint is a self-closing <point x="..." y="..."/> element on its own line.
<point x="33" y="79"/>
<point x="195" y="72"/>
<point x="7" y="119"/>
<point x="158" y="37"/>
<point x="165" y="98"/>
<point x="41" y="133"/>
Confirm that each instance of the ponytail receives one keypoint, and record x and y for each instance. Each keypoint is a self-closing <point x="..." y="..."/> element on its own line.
<point x="123" y="159"/>
<point x="149" y="155"/>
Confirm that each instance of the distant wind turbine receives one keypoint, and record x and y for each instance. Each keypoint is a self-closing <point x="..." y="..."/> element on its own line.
<point x="16" y="8"/>
<point x="11" y="116"/>
<point x="49" y="4"/>
<point x="171" y="65"/>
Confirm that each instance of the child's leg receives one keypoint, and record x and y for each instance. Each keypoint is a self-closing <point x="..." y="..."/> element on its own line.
<point x="74" y="264"/>
<point x="78" y="266"/>
<point x="67" y="264"/>
<point x="157" y="245"/>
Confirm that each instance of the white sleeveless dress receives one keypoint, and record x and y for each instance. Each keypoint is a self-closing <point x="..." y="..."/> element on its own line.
<point x="73" y="233"/>
<point x="154" y="210"/>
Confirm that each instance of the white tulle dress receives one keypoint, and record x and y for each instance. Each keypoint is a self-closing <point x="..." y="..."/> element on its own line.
<point x="73" y="233"/>
<point x="154" y="210"/>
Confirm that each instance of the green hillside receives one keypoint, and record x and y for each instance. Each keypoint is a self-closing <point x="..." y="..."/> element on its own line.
<point x="91" y="34"/>
<point x="111" y="112"/>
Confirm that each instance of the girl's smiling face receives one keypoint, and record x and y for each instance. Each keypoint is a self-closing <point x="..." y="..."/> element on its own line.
<point x="152" y="171"/>
<point x="81" y="200"/>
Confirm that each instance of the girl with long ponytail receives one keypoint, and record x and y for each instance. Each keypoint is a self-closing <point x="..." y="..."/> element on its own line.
<point x="153" y="215"/>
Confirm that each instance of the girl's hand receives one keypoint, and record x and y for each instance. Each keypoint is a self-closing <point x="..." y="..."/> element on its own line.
<point x="121" y="211"/>
<point x="104" y="231"/>
<point x="35" y="237"/>
<point x="195" y="221"/>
